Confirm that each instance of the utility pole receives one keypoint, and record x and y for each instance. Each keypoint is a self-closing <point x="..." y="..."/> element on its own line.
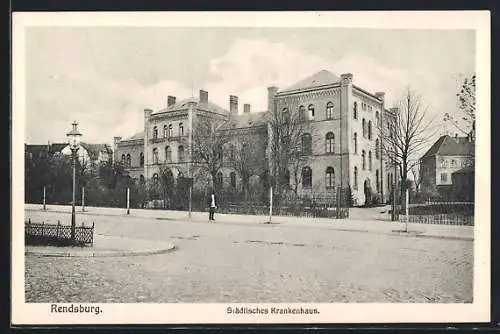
<point x="128" y="201"/>
<point x="44" y="198"/>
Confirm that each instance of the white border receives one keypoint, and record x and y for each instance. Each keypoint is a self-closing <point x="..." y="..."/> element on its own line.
<point x="478" y="311"/>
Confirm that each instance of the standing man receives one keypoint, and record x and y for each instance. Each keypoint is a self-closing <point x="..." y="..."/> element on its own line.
<point x="212" y="206"/>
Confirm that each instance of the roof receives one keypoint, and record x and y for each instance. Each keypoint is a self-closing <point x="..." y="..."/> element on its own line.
<point x="465" y="170"/>
<point x="447" y="145"/>
<point x="320" y="78"/>
<point x="94" y="149"/>
<point x="247" y="120"/>
<point x="138" y="135"/>
<point x="200" y="105"/>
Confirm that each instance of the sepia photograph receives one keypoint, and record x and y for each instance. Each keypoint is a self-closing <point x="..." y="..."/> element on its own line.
<point x="250" y="167"/>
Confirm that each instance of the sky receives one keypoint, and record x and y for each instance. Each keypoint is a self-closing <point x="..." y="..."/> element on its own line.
<point x="104" y="77"/>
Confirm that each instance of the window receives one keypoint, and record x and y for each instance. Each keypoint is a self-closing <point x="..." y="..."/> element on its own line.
<point x="370" y="160"/>
<point x="444" y="163"/>
<point x="329" y="110"/>
<point x="286" y="177"/>
<point x="306" y="144"/>
<point x="306" y="177"/>
<point x="129" y="160"/>
<point x="329" y="178"/>
<point x="231" y="152"/>
<point x="377" y="118"/>
<point x="233" y="180"/>
<point x="363" y="159"/>
<point x="155" y="132"/>
<point x="170" y="130"/>
<point x="355" y="178"/>
<point x="363" y="124"/>
<point x="377" y="148"/>
<point x="181" y="153"/>
<point x="370" y="130"/>
<point x="453" y="163"/>
<point x="311" y="111"/>
<point x="370" y="108"/>
<point x="444" y="177"/>
<point x="377" y="180"/>
<point x="355" y="110"/>
<point x="141" y="159"/>
<point x="330" y="142"/>
<point x="156" y="159"/>
<point x="355" y="143"/>
<point x="219" y="180"/>
<point x="181" y="129"/>
<point x="155" y="178"/>
<point x="168" y="154"/>
<point x="123" y="158"/>
<point x="141" y="179"/>
<point x="220" y="152"/>
<point x="165" y="134"/>
<point x="302" y="113"/>
<point x="285" y="110"/>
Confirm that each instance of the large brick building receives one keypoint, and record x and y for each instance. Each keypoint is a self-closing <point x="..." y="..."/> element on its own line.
<point x="342" y="135"/>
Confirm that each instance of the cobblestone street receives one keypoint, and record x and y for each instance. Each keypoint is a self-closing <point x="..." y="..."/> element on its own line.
<point x="226" y="262"/>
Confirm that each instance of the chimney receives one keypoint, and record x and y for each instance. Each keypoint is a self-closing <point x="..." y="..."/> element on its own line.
<point x="395" y="110"/>
<point x="346" y="78"/>
<point x="203" y="96"/>
<point x="271" y="93"/>
<point x="147" y="113"/>
<point x="233" y="104"/>
<point x="380" y="95"/>
<point x="246" y="108"/>
<point x="170" y="101"/>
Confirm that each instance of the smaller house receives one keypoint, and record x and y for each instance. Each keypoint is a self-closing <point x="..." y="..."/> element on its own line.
<point x="447" y="156"/>
<point x="463" y="184"/>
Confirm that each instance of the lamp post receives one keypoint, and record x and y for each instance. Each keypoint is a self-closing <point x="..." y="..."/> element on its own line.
<point x="74" y="142"/>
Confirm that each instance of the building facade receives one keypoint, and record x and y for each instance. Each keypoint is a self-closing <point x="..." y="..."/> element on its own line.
<point x="341" y="145"/>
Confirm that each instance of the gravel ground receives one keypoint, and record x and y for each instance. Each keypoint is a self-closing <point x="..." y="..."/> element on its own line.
<point x="262" y="263"/>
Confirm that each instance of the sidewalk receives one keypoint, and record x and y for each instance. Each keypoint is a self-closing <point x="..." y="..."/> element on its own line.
<point x="104" y="246"/>
<point x="372" y="226"/>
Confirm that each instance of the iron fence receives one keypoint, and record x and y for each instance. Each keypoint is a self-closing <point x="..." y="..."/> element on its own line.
<point x="57" y="235"/>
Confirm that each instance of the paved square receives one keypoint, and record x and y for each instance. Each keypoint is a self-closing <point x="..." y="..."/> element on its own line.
<point x="231" y="262"/>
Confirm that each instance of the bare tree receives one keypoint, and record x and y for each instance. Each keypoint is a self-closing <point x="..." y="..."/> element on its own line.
<point x="288" y="129"/>
<point x="209" y="138"/>
<point x="407" y="132"/>
<point x="466" y="101"/>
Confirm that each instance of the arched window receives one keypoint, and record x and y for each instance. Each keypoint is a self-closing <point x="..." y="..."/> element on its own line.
<point x="123" y="158"/>
<point x="377" y="179"/>
<point x="170" y="130"/>
<point x="168" y="154"/>
<point x="302" y="113"/>
<point x="330" y="142"/>
<point x="155" y="132"/>
<point x="219" y="180"/>
<point x="156" y="158"/>
<point x="355" y="110"/>
<point x="306" y="177"/>
<point x="377" y="149"/>
<point x="233" y="180"/>
<point x="220" y="152"/>
<point x="329" y="110"/>
<point x="355" y="178"/>
<point x="129" y="160"/>
<point x="370" y="160"/>
<point x="141" y="179"/>
<point x="181" y="129"/>
<point x="286" y="177"/>
<point x="355" y="143"/>
<point x="141" y="159"/>
<point x="155" y="178"/>
<point x="329" y="178"/>
<point x="181" y="153"/>
<point x="311" y="111"/>
<point x="231" y="152"/>
<point x="165" y="134"/>
<point x="370" y="130"/>
<point x="363" y="124"/>
<point x="306" y="144"/>
<point x="377" y="118"/>
<point x="363" y="160"/>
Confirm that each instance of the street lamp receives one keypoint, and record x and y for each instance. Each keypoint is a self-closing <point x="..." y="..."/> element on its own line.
<point x="74" y="143"/>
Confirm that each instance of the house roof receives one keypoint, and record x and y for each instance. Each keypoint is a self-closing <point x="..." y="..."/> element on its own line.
<point x="182" y="105"/>
<point x="320" y="78"/>
<point x="94" y="149"/>
<point x="247" y="120"/>
<point x="138" y="135"/>
<point x="447" y="145"/>
<point x="465" y="170"/>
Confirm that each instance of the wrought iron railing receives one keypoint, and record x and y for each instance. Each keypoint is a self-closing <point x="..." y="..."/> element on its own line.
<point x="57" y="234"/>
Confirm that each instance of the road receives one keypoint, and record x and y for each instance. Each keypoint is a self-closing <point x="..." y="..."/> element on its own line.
<point x="231" y="262"/>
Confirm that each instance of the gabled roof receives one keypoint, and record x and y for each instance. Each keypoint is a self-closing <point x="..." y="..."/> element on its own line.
<point x="318" y="79"/>
<point x="182" y="105"/>
<point x="447" y="145"/>
<point x="138" y="135"/>
<point x="247" y="120"/>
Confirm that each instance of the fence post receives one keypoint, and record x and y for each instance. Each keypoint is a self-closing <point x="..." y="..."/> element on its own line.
<point x="270" y="204"/>
<point x="57" y="229"/>
<point x="83" y="199"/>
<point x="44" y="198"/>
<point x="42" y="229"/>
<point x="128" y="201"/>
<point x="407" y="204"/>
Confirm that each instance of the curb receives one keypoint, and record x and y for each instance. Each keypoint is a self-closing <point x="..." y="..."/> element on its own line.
<point x="171" y="248"/>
